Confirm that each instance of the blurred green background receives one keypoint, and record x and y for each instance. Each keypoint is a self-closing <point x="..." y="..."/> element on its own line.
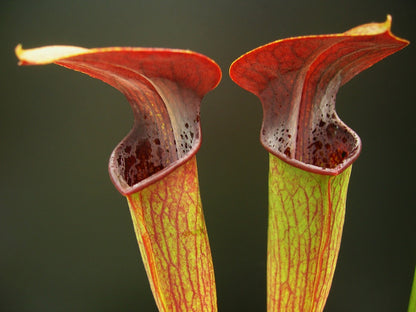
<point x="66" y="238"/>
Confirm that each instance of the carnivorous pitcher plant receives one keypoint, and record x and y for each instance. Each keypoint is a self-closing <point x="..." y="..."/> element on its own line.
<point x="154" y="166"/>
<point x="311" y="152"/>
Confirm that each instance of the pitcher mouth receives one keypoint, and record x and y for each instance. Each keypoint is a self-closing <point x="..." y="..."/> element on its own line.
<point x="316" y="139"/>
<point x="140" y="160"/>
<point x="164" y="88"/>
<point x="297" y="79"/>
<point x="326" y="159"/>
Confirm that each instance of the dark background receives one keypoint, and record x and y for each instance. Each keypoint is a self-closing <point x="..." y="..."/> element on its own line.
<point x="66" y="238"/>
